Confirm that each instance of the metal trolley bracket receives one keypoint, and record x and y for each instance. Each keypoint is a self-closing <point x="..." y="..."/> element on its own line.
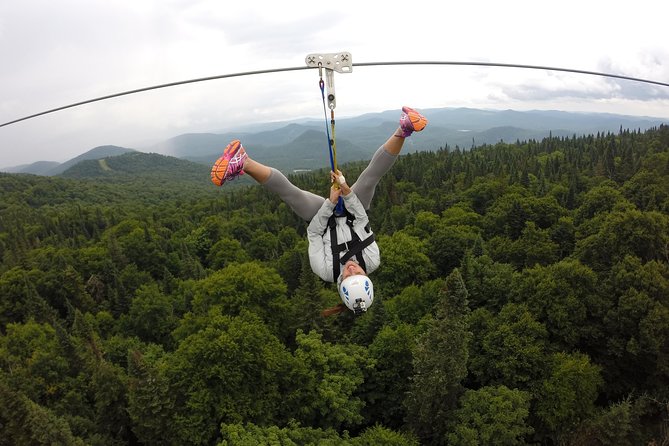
<point x="331" y="62"/>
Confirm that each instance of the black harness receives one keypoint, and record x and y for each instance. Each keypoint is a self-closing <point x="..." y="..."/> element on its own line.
<point x="352" y="248"/>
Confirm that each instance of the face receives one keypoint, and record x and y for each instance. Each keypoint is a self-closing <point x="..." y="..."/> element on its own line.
<point x="351" y="268"/>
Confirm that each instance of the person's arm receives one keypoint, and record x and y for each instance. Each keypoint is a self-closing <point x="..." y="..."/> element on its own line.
<point x="351" y="200"/>
<point x="355" y="207"/>
<point x="318" y="224"/>
<point x="317" y="249"/>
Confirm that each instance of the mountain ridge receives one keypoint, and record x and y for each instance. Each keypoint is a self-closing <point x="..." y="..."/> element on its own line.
<point x="302" y="144"/>
<point x="130" y="164"/>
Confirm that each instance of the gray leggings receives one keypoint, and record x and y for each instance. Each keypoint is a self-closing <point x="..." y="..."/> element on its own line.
<point x="306" y="204"/>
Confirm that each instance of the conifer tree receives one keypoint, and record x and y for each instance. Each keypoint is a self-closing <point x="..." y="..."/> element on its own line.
<point x="440" y="364"/>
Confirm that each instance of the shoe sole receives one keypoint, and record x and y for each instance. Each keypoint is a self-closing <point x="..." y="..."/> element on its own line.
<point x="220" y="169"/>
<point x="418" y="121"/>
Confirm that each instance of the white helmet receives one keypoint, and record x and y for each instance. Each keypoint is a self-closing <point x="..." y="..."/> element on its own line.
<point x="357" y="292"/>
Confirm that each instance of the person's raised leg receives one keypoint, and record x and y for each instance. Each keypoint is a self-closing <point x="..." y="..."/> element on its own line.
<point x="257" y="171"/>
<point x="385" y="156"/>
<point x="304" y="203"/>
<point x="235" y="161"/>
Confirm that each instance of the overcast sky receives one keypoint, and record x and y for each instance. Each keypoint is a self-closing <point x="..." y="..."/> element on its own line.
<point x="58" y="52"/>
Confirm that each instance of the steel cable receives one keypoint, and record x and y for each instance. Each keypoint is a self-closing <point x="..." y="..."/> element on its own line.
<point x="363" y="64"/>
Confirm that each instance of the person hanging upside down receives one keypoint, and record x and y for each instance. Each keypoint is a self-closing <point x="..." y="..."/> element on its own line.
<point x="342" y="248"/>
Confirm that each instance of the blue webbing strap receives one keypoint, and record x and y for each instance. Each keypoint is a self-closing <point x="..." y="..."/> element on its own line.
<point x="339" y="208"/>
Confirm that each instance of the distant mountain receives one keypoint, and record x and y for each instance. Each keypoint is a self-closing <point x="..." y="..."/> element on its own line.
<point x="38" y="168"/>
<point x="197" y="145"/>
<point x="50" y="168"/>
<point x="309" y="150"/>
<point x="302" y="144"/>
<point x="478" y="120"/>
<point x="134" y="164"/>
<point x="93" y="154"/>
<point x="461" y="127"/>
<point x="465" y="126"/>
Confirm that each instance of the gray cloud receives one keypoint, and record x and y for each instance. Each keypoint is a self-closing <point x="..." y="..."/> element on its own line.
<point x="651" y="66"/>
<point x="58" y="53"/>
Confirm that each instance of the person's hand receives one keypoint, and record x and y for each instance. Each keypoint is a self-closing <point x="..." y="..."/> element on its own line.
<point x="339" y="179"/>
<point x="335" y="192"/>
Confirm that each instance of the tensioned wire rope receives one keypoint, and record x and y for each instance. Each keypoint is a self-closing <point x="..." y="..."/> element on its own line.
<point x="363" y="64"/>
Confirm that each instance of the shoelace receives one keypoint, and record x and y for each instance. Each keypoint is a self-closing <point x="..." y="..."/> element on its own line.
<point x="234" y="165"/>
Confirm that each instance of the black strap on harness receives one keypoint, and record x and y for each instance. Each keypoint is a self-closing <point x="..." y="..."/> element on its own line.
<point x="352" y="248"/>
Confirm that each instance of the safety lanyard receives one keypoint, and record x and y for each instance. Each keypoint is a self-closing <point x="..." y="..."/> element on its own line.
<point x="341" y="63"/>
<point x="332" y="144"/>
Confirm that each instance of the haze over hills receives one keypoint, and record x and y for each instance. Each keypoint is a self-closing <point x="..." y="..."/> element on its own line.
<point x="302" y="144"/>
<point x="50" y="168"/>
<point x="37" y="168"/>
<point x="128" y="165"/>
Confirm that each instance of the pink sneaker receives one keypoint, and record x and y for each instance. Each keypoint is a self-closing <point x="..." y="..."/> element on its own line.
<point x="230" y="165"/>
<point x="411" y="121"/>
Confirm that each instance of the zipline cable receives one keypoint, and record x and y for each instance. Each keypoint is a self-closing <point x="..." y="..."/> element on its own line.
<point x="155" y="87"/>
<point x="363" y="64"/>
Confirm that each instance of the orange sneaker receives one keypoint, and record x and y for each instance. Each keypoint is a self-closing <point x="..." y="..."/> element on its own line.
<point x="411" y="121"/>
<point x="230" y="165"/>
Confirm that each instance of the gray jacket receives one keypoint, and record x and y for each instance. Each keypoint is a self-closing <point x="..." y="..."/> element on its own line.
<point x="320" y="251"/>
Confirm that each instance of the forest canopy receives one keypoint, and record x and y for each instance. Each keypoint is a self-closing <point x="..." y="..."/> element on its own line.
<point x="523" y="298"/>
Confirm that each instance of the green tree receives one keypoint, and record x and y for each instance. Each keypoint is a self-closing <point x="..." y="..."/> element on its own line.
<point x="34" y="362"/>
<point x="567" y="395"/>
<point x="263" y="246"/>
<point x="249" y="434"/>
<point x="404" y="262"/>
<point x="448" y="245"/>
<point x="62" y="285"/>
<point x="488" y="283"/>
<point x="26" y="423"/>
<point x="308" y="300"/>
<point x="424" y="224"/>
<point x="141" y="245"/>
<point x="532" y="247"/>
<point x="243" y="287"/>
<point x="648" y="189"/>
<point x="233" y="370"/>
<point x="564" y="297"/>
<point x="131" y="278"/>
<point x="460" y="215"/>
<point x="637" y="326"/>
<point x="495" y="416"/>
<point x="563" y="233"/>
<point x="295" y="435"/>
<point x="414" y="302"/>
<point x="151" y="316"/>
<point x="620" y="234"/>
<point x="290" y="263"/>
<point x="226" y="251"/>
<point x="19" y="300"/>
<point x="615" y="425"/>
<point x="512" y="349"/>
<point x="388" y="382"/>
<point x="333" y="373"/>
<point x="601" y="199"/>
<point x="381" y="436"/>
<point x="440" y="364"/>
<point x="109" y="387"/>
<point x="151" y="400"/>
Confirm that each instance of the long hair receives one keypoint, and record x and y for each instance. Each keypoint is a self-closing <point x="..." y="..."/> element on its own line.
<point x="339" y="308"/>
